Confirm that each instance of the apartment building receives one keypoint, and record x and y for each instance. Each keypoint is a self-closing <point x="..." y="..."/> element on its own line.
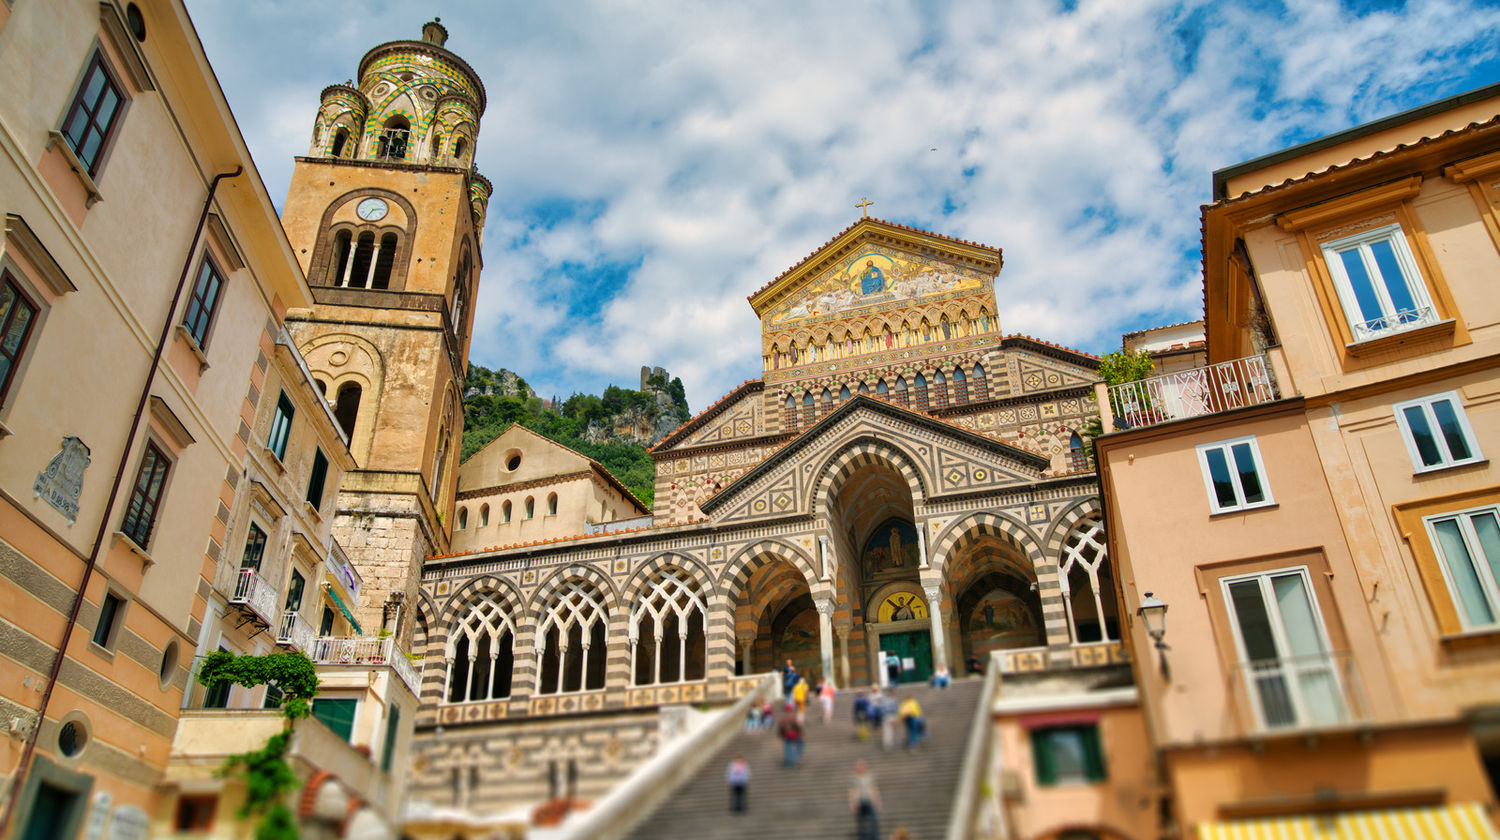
<point x="1306" y="531"/>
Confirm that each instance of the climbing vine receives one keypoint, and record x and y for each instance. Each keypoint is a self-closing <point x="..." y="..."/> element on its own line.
<point x="268" y="777"/>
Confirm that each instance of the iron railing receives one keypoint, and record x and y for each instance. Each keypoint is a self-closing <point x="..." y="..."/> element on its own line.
<point x="366" y="650"/>
<point x="1317" y="691"/>
<point x="256" y="594"/>
<point x="1192" y="393"/>
<point x="1401" y="320"/>
<point x="295" y="632"/>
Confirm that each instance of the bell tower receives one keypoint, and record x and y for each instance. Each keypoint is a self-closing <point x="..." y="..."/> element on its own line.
<point x="385" y="212"/>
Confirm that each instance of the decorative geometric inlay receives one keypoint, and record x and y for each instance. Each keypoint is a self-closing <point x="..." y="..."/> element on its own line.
<point x="954" y="476"/>
<point x="529" y="577"/>
<point x="981" y="474"/>
<point x="1036" y="513"/>
<point x="782" y="501"/>
<point x="620" y="566"/>
<point x="443" y="587"/>
<point x="760" y="505"/>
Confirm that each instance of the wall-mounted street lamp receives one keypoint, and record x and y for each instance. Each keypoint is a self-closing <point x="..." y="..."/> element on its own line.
<point x="1153" y="613"/>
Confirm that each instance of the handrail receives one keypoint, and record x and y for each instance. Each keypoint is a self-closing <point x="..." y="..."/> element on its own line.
<point x="1192" y="393"/>
<point x="645" y="789"/>
<point x="976" y="757"/>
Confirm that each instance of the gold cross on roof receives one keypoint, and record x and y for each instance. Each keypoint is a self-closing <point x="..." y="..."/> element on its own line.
<point x="863" y="205"/>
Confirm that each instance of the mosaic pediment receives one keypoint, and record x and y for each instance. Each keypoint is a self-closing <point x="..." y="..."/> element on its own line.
<point x="872" y="276"/>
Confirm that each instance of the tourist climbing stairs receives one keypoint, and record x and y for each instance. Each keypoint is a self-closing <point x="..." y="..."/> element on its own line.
<point x="811" y="801"/>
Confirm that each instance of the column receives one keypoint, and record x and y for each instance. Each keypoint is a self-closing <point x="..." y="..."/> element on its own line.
<point x="922" y="545"/>
<point x="825" y="554"/>
<point x="747" y="649"/>
<point x="842" y="631"/>
<point x="348" y="262"/>
<point x="935" y="618"/>
<point x="825" y="633"/>
<point x="374" y="259"/>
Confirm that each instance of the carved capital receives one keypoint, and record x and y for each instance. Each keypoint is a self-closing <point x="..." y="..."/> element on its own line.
<point x="934" y="595"/>
<point x="824" y="607"/>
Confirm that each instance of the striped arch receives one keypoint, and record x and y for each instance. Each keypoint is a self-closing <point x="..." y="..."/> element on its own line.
<point x="861" y="452"/>
<point x="737" y="574"/>
<point x="453" y="608"/>
<point x="580" y="571"/>
<point x="1069" y="520"/>
<point x="696" y="570"/>
<point x="981" y="524"/>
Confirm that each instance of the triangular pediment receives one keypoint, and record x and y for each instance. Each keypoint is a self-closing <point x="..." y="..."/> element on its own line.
<point x="941" y="460"/>
<point x="875" y="264"/>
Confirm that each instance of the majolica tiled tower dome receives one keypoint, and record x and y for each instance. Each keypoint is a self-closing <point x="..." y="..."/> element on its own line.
<point x="385" y="213"/>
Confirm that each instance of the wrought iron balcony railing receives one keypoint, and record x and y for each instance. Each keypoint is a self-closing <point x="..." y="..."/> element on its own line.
<point x="255" y="594"/>
<point x="1319" y="691"/>
<point x="1192" y="393"/>
<point x="295" y="632"/>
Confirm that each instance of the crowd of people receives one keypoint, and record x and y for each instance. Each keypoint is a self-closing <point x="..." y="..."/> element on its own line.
<point x="886" y="712"/>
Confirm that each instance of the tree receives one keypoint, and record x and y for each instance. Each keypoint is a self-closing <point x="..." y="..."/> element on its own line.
<point x="1124" y="366"/>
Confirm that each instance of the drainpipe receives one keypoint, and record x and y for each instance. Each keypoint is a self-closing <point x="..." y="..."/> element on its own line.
<point x="109" y="505"/>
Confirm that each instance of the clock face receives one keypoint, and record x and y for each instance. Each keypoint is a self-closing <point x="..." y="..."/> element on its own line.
<point x="371" y="209"/>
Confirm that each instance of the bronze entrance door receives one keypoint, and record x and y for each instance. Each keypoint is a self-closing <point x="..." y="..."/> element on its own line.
<point x="915" y="648"/>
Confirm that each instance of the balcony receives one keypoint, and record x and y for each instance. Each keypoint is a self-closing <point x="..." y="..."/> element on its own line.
<point x="1302" y="693"/>
<point x="255" y="595"/>
<point x="1192" y="393"/>
<point x="294" y="632"/>
<point x="366" y="651"/>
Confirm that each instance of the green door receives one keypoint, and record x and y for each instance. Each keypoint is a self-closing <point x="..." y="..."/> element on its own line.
<point x="914" y="645"/>
<point x="49" y="813"/>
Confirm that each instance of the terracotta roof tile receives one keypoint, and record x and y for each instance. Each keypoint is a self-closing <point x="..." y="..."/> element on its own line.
<point x="1035" y="340"/>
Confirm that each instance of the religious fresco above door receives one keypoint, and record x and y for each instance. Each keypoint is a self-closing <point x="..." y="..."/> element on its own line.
<point x="1000" y="621"/>
<point x="901" y="606"/>
<point x="891" y="551"/>
<point x="874" y="276"/>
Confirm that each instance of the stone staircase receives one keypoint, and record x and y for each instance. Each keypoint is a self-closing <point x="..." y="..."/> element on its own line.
<point x="811" y="800"/>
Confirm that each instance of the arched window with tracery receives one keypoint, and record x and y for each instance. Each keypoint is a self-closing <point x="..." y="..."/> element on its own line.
<point x="960" y="387"/>
<point x="939" y="390"/>
<point x="346" y="407"/>
<point x="921" y="391"/>
<point x="903" y="397"/>
<point x="571" y="640"/>
<point x="791" y="413"/>
<point x="827" y="407"/>
<point x="807" y="410"/>
<point x="667" y="641"/>
<point x="883" y="391"/>
<point x="1088" y="587"/>
<point x="480" y="653"/>
<point x="844" y="394"/>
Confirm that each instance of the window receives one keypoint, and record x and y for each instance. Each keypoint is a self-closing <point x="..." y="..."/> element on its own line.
<point x="111" y="612"/>
<point x="391" y="144"/>
<point x="666" y="630"/>
<point x="346" y="407"/>
<point x="571" y="647"/>
<point x="94" y="114"/>
<point x="205" y="299"/>
<point x="1088" y="588"/>
<point x="1232" y="470"/>
<point x="1378" y="283"/>
<point x="1288" y="669"/>
<point x="939" y="390"/>
<point x="551" y="504"/>
<point x="505" y="511"/>
<point x="484" y="515"/>
<point x="479" y="653"/>
<point x="960" y="387"/>
<point x="1437" y="432"/>
<point x="145" y="496"/>
<point x="392" y="728"/>
<point x="218" y="696"/>
<point x="294" y="592"/>
<point x="1468" y="548"/>
<point x="1067" y="755"/>
<point x="981" y="384"/>
<point x="325" y="624"/>
<point x="196" y="813"/>
<point x="385" y="258"/>
<point x="255" y="548"/>
<point x="791" y="414"/>
<point x="17" y="314"/>
<point x="1078" y="457"/>
<point x="340" y="140"/>
<point x="530" y="507"/>
<point x="316" y="480"/>
<point x="463" y="518"/>
<point x="337" y="714"/>
<point x="281" y="426"/>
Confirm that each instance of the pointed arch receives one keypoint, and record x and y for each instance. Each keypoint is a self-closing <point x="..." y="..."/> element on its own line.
<point x="668" y="628"/>
<point x="480" y="651"/>
<point x="737" y="572"/>
<point x="572" y="638"/>
<point x="858" y="453"/>
<point x="1087" y="584"/>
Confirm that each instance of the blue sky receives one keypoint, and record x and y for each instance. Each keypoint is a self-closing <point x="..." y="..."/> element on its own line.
<point x="654" y="163"/>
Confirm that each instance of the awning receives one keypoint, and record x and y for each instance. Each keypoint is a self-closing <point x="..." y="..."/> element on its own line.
<point x="343" y="609"/>
<point x="1452" y="822"/>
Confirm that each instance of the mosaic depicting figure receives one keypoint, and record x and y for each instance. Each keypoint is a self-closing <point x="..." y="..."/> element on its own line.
<point x="892" y="548"/>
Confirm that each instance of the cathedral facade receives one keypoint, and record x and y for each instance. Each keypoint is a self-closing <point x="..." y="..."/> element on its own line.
<point x="904" y="482"/>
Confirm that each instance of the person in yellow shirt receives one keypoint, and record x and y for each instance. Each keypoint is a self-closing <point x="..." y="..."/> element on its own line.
<point x="916" y="725"/>
<point x="799" y="696"/>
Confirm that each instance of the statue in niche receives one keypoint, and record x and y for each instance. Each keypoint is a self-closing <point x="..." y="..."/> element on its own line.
<point x="872" y="280"/>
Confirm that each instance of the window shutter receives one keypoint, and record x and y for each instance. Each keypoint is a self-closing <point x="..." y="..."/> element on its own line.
<point x="1041" y="750"/>
<point x="336" y="714"/>
<point x="1093" y="754"/>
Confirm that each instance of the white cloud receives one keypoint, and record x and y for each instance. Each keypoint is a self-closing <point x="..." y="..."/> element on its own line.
<point x="716" y="145"/>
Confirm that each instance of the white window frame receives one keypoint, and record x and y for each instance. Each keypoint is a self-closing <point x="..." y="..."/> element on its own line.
<point x="1488" y="585"/>
<point x="1239" y="491"/>
<point x="1295" y="692"/>
<point x="1359" y="327"/>
<point x="1446" y="456"/>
